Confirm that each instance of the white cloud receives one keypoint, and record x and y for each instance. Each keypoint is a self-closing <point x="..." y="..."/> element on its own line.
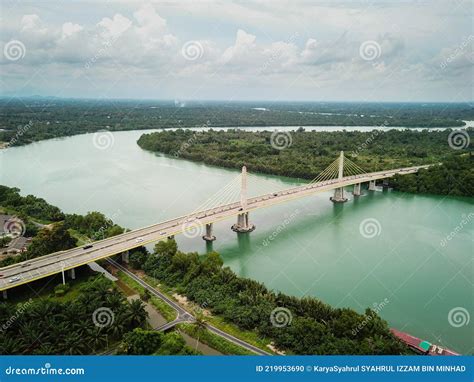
<point x="114" y="27"/>
<point x="69" y="29"/>
<point x="253" y="45"/>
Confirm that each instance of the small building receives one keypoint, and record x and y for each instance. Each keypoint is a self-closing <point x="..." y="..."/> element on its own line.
<point x="16" y="246"/>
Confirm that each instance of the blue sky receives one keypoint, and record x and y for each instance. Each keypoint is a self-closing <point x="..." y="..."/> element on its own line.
<point x="246" y="50"/>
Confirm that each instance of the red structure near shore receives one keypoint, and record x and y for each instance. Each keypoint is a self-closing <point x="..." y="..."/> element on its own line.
<point x="421" y="346"/>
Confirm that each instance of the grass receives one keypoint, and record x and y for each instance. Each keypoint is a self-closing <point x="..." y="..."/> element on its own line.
<point x="44" y="288"/>
<point x="213" y="340"/>
<point x="165" y="310"/>
<point x="251" y="337"/>
<point x="81" y="239"/>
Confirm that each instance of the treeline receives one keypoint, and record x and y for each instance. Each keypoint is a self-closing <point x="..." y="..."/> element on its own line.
<point x="141" y="342"/>
<point x="59" y="235"/>
<point x="34" y="119"/>
<point x="296" y="325"/>
<point x="28" y="206"/>
<point x="454" y="177"/>
<point x="100" y="315"/>
<point x="305" y="153"/>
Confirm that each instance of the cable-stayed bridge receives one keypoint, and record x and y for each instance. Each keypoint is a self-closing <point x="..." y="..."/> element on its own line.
<point x="244" y="193"/>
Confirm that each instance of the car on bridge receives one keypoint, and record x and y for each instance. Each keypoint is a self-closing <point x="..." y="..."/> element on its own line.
<point x="87" y="246"/>
<point x="13" y="279"/>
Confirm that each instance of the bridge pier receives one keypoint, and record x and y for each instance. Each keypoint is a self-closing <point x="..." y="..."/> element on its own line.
<point x="209" y="236"/>
<point x="125" y="257"/>
<point x="338" y="196"/>
<point x="243" y="224"/>
<point x="371" y="185"/>
<point x="5" y="294"/>
<point x="356" y="191"/>
<point x="385" y="184"/>
<point x="72" y="273"/>
<point x="339" y="192"/>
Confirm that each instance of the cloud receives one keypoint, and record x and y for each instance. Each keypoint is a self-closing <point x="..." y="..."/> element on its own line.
<point x="253" y="46"/>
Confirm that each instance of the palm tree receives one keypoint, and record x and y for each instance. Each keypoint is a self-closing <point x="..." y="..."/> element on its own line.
<point x="136" y="314"/>
<point x="200" y="320"/>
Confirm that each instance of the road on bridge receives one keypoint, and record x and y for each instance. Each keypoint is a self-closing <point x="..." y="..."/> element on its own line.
<point x="30" y="270"/>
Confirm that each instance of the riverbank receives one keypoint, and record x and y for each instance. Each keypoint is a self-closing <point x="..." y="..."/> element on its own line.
<point x="320" y="252"/>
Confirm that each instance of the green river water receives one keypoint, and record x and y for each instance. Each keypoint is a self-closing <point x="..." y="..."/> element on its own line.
<point x="423" y="281"/>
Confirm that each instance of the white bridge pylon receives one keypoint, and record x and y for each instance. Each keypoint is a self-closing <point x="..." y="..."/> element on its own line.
<point x="246" y="186"/>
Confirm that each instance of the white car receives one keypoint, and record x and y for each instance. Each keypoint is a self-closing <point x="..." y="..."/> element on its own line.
<point x="163" y="233"/>
<point x="139" y="239"/>
<point x="13" y="279"/>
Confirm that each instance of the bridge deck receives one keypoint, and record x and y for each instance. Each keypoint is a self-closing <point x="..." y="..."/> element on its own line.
<point x="21" y="273"/>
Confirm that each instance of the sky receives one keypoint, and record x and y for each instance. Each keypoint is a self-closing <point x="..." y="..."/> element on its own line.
<point x="279" y="50"/>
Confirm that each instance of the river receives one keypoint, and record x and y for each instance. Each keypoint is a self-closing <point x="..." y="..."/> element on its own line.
<point x="305" y="247"/>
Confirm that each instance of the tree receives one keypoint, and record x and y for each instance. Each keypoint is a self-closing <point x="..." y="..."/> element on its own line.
<point x="141" y="341"/>
<point x="48" y="241"/>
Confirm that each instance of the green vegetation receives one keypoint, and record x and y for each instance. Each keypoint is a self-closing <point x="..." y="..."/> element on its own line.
<point x="315" y="328"/>
<point x="311" y="152"/>
<point x="94" y="225"/>
<point x="65" y="232"/>
<point x="34" y="119"/>
<point x="98" y="316"/>
<point x="214" y="341"/>
<point x="28" y="206"/>
<point x="454" y="177"/>
<point x="151" y="342"/>
<point x="165" y="310"/>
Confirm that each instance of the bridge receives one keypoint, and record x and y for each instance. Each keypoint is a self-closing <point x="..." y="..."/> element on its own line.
<point x="231" y="200"/>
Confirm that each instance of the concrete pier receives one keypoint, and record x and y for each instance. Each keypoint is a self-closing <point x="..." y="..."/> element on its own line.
<point x="72" y="273"/>
<point x="356" y="191"/>
<point x="125" y="257"/>
<point x="372" y="185"/>
<point x="243" y="224"/>
<point x="209" y="236"/>
<point x="4" y="294"/>
<point x="338" y="196"/>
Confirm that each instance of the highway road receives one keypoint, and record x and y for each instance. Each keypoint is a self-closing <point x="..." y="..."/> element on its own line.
<point x="21" y="273"/>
